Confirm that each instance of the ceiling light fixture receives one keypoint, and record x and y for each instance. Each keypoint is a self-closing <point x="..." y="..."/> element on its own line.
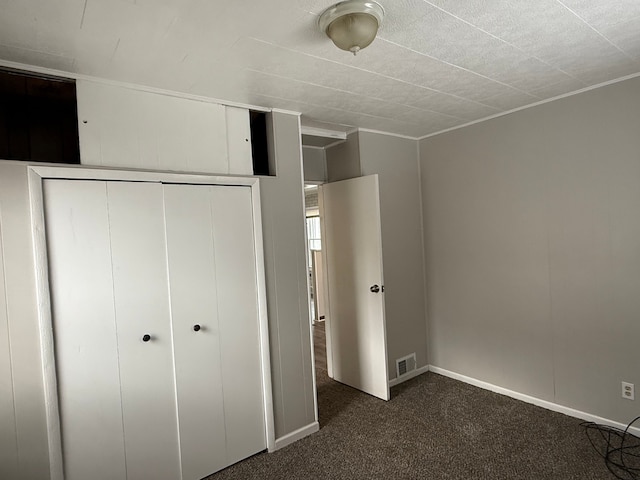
<point x="352" y="25"/>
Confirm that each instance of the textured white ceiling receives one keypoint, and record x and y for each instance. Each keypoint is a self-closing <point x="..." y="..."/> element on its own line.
<point x="436" y="64"/>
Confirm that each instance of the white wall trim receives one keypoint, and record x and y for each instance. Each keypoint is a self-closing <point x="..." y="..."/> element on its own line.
<point x="116" y="173"/>
<point x="572" y="412"/>
<point x="133" y="86"/>
<point x="263" y="318"/>
<point x="45" y="326"/>
<point x="296" y="435"/>
<point x="408" y="376"/>
<point x="531" y="105"/>
<point x="337" y="142"/>
<point x="288" y="112"/>
<point x="389" y="134"/>
<point x="323" y="132"/>
<point x="325" y="280"/>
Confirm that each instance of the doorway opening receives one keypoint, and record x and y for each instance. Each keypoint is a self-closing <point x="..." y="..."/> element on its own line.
<point x="314" y="254"/>
<point x="317" y="298"/>
<point x="315" y="273"/>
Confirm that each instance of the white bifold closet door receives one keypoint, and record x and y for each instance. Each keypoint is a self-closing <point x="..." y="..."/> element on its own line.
<point x="210" y="246"/>
<point x="155" y="328"/>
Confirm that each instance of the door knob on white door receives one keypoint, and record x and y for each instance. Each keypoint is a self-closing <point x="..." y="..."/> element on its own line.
<point x="146" y="337"/>
<point x="374" y="288"/>
<point x="196" y="328"/>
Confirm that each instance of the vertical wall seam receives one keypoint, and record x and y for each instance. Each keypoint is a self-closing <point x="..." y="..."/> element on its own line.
<point x="115" y="322"/>
<point x="424" y="254"/>
<point x="277" y="319"/>
<point x="550" y="286"/>
<point x="11" y="366"/>
<point x="221" y="336"/>
<point x="275" y="283"/>
<point x="357" y="134"/>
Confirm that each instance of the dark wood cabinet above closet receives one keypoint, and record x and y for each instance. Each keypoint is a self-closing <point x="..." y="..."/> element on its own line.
<point x="38" y="118"/>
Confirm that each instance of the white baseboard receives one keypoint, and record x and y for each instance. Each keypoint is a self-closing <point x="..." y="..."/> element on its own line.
<point x="533" y="400"/>
<point x="408" y="376"/>
<point x="296" y="435"/>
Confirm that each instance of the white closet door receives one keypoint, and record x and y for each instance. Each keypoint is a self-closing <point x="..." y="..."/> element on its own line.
<point x="134" y="268"/>
<point x="138" y="250"/>
<point x="84" y="326"/>
<point x="234" y="257"/>
<point x="194" y="301"/>
<point x="213" y="281"/>
<point x="109" y="285"/>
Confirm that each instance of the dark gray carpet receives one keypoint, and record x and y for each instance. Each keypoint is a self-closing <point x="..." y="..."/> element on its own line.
<point x="432" y="428"/>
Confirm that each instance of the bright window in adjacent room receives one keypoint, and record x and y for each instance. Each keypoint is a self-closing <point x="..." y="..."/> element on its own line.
<point x="313" y="235"/>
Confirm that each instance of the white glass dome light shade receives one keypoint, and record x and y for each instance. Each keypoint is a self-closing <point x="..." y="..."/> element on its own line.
<point x="353" y="32"/>
<point x="352" y="25"/>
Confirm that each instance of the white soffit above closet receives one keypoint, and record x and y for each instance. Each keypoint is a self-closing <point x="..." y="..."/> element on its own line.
<point x="436" y="64"/>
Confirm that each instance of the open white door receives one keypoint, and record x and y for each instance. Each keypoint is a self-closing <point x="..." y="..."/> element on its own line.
<point x="355" y="321"/>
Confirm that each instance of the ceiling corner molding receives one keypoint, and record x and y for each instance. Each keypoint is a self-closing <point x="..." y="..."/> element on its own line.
<point x="323" y="132"/>
<point x="378" y="132"/>
<point x="313" y="147"/>
<point x="337" y="142"/>
<point x="537" y="104"/>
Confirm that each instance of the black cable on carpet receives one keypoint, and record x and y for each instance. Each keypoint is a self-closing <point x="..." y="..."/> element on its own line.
<point x="619" y="448"/>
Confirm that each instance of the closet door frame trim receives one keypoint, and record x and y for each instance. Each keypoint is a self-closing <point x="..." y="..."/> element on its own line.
<point x="37" y="175"/>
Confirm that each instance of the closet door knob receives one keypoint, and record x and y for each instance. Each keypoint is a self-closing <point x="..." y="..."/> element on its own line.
<point x="146" y="337"/>
<point x="196" y="328"/>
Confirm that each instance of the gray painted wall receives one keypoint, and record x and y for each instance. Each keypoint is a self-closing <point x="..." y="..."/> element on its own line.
<point x="532" y="238"/>
<point x="395" y="160"/>
<point x="23" y="436"/>
<point x="314" y="164"/>
<point x="343" y="160"/>
<point x="283" y="220"/>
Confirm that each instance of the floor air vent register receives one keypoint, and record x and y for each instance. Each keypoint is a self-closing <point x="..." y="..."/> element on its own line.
<point x="405" y="365"/>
